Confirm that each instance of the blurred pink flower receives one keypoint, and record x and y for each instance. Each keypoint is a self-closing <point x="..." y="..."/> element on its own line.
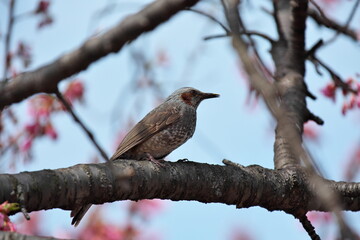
<point x="311" y="131"/>
<point x="329" y="91"/>
<point x="319" y="217"/>
<point x="353" y="165"/>
<point x="97" y="229"/>
<point x="46" y="20"/>
<point x="5" y="223"/>
<point x="146" y="208"/>
<point x="162" y="58"/>
<point x="41" y="106"/>
<point x="26" y="144"/>
<point x="50" y="131"/>
<point x="32" y="226"/>
<point x="74" y="91"/>
<point x="241" y="233"/>
<point x="33" y="129"/>
<point x="42" y="7"/>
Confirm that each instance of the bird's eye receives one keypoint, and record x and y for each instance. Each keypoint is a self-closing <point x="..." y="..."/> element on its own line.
<point x="193" y="92"/>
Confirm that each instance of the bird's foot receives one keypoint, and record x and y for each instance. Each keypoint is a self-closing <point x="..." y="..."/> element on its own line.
<point x="157" y="162"/>
<point x="183" y="160"/>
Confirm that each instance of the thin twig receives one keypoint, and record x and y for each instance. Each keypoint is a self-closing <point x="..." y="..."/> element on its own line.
<point x="308" y="227"/>
<point x="8" y="39"/>
<point x="210" y="17"/>
<point x="242" y="30"/>
<point x="216" y="36"/>
<point x="348" y="21"/>
<point x="335" y="77"/>
<point x="247" y="32"/>
<point x="321" y="19"/>
<point x="258" y="34"/>
<point x="313" y="49"/>
<point x="76" y="119"/>
<point x="321" y="12"/>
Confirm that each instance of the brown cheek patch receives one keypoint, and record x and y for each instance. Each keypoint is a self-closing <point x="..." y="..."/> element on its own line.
<point x="186" y="97"/>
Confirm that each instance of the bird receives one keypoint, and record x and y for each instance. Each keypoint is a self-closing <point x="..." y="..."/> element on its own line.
<point x="161" y="131"/>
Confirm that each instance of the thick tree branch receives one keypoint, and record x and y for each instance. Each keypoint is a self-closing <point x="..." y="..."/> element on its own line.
<point x="244" y="187"/>
<point x="285" y="99"/>
<point x="296" y="50"/>
<point x="46" y="78"/>
<point x="14" y="235"/>
<point x="289" y="59"/>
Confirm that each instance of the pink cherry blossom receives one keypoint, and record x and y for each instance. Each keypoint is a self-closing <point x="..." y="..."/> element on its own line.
<point x="329" y="91"/>
<point x="42" y="7"/>
<point x="74" y="91"/>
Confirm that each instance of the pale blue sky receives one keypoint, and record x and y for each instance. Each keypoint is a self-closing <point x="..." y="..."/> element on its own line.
<point x="239" y="133"/>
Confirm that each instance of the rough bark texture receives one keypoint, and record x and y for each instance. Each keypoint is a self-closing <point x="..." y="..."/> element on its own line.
<point x="14" y="235"/>
<point x="289" y="59"/>
<point x="130" y="179"/>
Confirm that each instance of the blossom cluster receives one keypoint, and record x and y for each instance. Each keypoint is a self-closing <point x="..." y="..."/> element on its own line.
<point x="41" y="108"/>
<point x="5" y="223"/>
<point x="351" y="99"/>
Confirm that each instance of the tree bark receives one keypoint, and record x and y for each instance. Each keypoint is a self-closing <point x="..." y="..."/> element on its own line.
<point x="241" y="186"/>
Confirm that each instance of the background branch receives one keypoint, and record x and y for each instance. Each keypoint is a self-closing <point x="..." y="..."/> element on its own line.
<point x="346" y="26"/>
<point x="81" y="124"/>
<point x="332" y="24"/>
<point x="9" y="29"/>
<point x="46" y="78"/>
<point x="334" y="76"/>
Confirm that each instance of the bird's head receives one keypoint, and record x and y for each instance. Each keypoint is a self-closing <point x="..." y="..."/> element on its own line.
<point x="191" y="96"/>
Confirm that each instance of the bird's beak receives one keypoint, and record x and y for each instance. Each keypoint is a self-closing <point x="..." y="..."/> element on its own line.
<point x="210" y="95"/>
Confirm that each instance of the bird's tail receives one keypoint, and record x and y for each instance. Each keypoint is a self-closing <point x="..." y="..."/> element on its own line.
<point x="78" y="213"/>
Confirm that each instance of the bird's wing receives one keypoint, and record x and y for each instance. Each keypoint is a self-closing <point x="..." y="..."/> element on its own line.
<point x="153" y="122"/>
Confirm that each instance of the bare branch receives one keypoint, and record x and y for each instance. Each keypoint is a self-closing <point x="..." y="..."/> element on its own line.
<point x="46" y="78"/>
<point x="81" y="124"/>
<point x="308" y="227"/>
<point x="346" y="26"/>
<point x="15" y="235"/>
<point x="334" y="76"/>
<point x="126" y="179"/>
<point x="322" y="20"/>
<point x="210" y="17"/>
<point x="288" y="111"/>
<point x="8" y="38"/>
<point x="247" y="32"/>
<point x="314" y="48"/>
<point x="216" y="36"/>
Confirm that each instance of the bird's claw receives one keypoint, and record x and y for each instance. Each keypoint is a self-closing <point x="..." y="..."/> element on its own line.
<point x="157" y="162"/>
